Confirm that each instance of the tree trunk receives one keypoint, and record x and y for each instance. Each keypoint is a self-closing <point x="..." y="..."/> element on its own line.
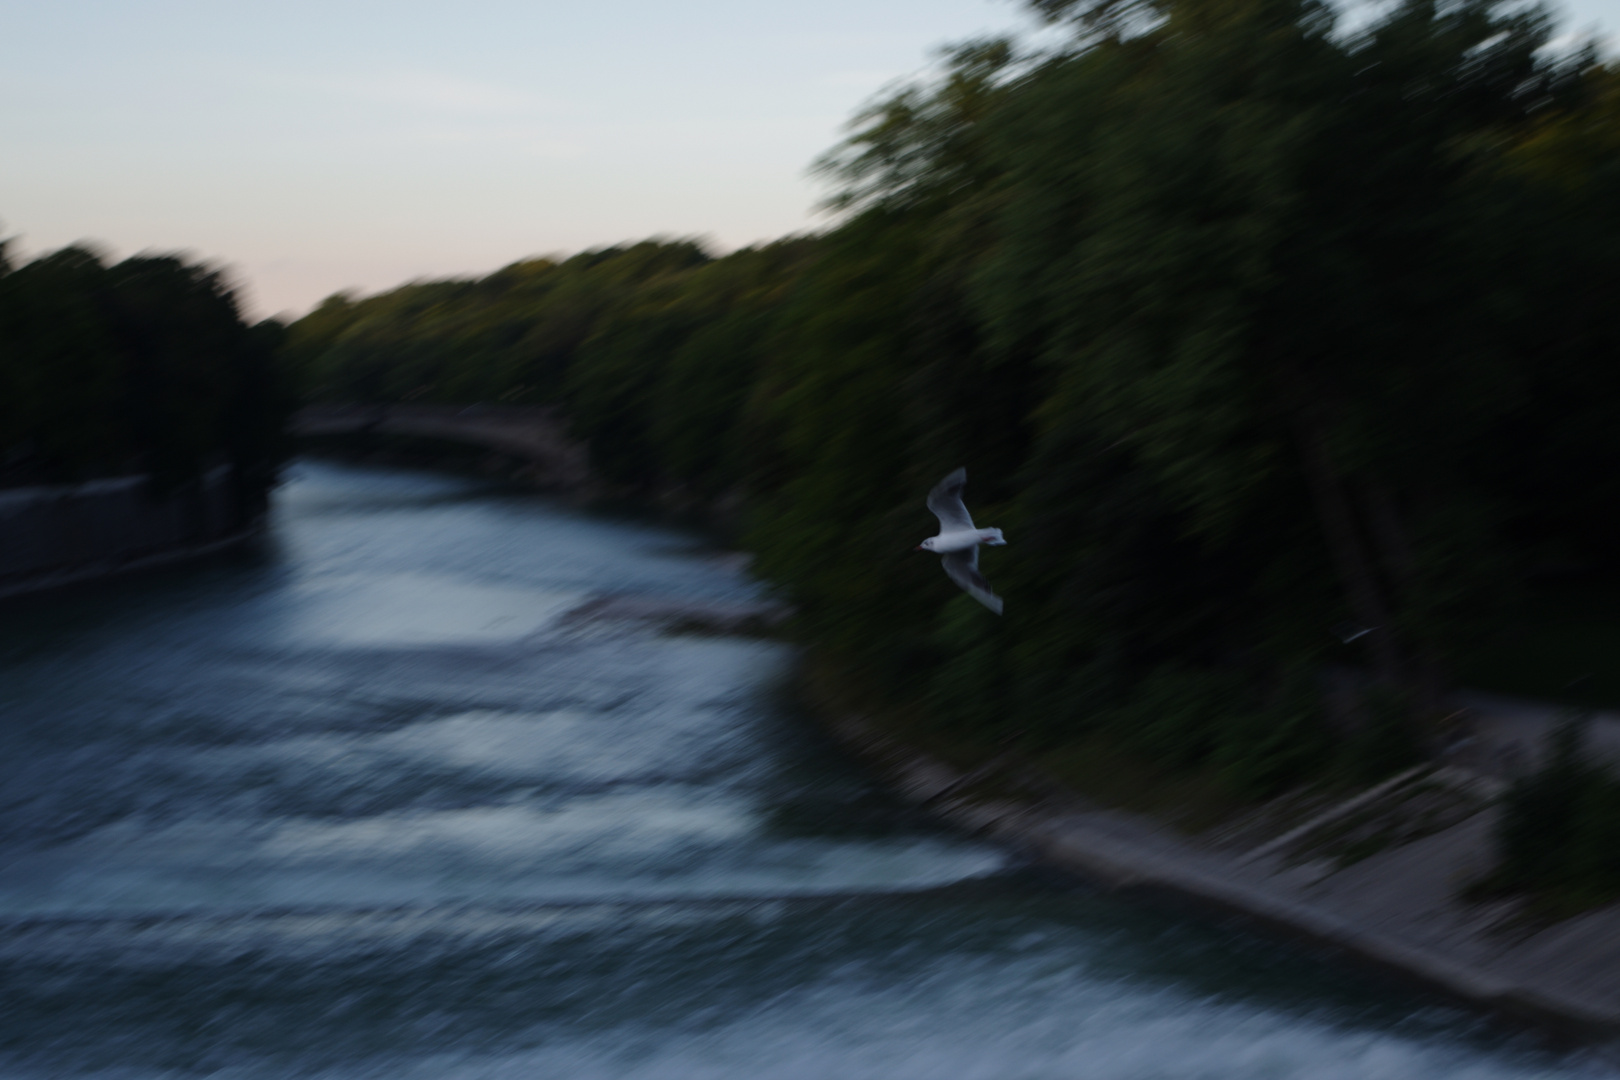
<point x="1402" y="564"/>
<point x="1356" y="574"/>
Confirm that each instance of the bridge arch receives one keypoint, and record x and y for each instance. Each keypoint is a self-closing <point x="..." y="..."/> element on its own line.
<point x="535" y="435"/>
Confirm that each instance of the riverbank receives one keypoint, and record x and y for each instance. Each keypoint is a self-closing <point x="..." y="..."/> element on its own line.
<point x="386" y="802"/>
<point x="1377" y="876"/>
<point x="55" y="536"/>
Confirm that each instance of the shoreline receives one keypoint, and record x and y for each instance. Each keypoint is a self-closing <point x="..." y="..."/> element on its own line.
<point x="1395" y="910"/>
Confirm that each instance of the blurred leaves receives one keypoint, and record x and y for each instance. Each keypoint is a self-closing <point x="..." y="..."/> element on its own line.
<point x="143" y="366"/>
<point x="1245" y="327"/>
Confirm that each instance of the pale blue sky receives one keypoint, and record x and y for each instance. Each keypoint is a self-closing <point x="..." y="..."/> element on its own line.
<point x="316" y="145"/>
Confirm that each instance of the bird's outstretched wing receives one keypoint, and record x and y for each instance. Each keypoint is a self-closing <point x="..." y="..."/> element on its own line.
<point x="946" y="503"/>
<point x="963" y="567"/>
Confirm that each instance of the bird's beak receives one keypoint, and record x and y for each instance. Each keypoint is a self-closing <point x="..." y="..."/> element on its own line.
<point x="919" y="547"/>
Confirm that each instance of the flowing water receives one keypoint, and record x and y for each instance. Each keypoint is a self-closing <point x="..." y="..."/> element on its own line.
<point x="371" y="804"/>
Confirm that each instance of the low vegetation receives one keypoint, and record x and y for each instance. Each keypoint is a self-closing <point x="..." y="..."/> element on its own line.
<point x="1559" y="833"/>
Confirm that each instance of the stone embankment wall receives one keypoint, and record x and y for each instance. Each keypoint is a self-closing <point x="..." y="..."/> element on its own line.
<point x="54" y="536"/>
<point x="1399" y="907"/>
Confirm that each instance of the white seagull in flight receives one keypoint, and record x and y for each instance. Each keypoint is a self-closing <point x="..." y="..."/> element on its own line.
<point x="958" y="541"/>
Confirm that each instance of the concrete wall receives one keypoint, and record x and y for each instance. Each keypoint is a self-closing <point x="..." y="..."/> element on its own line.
<point x="56" y="535"/>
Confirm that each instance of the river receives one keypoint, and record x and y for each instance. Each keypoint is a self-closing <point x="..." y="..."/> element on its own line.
<point x="369" y="803"/>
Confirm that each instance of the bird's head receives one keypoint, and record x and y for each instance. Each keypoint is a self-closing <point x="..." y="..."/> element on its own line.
<point x="926" y="545"/>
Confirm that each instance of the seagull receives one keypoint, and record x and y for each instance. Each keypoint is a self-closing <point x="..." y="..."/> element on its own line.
<point x="958" y="541"/>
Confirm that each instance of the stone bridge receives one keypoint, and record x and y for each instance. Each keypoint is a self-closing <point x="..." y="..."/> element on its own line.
<point x="535" y="435"/>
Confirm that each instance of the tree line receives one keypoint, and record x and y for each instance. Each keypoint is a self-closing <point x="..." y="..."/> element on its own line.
<point x="1276" y="345"/>
<point x="143" y="366"/>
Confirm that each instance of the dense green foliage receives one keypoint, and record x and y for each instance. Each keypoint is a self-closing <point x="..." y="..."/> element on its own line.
<point x="1273" y="347"/>
<point x="653" y="347"/>
<point x="144" y="366"/>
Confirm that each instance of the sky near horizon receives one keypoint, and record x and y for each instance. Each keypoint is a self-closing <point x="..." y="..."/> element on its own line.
<point x="310" y="147"/>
